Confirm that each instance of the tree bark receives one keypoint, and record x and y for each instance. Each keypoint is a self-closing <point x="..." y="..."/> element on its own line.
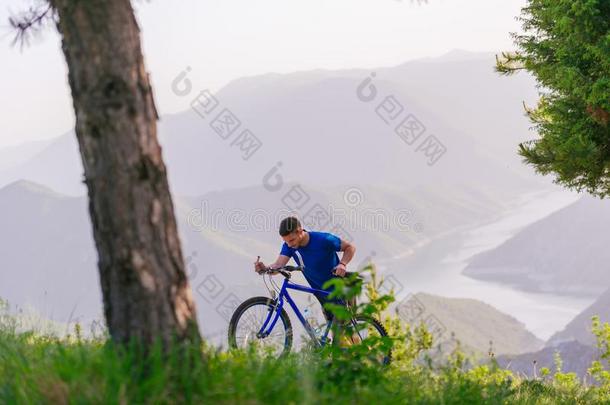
<point x="146" y="294"/>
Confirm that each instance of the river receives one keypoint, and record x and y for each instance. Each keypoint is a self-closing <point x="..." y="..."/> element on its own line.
<point x="437" y="267"/>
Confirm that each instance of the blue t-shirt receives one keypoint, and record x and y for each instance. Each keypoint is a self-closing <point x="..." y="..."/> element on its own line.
<point x="319" y="257"/>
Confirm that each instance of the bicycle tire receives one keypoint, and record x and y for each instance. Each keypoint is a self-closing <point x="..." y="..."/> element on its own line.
<point x="382" y="332"/>
<point x="270" y="304"/>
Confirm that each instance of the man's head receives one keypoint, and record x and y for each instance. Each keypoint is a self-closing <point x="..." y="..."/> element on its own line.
<point x="291" y="231"/>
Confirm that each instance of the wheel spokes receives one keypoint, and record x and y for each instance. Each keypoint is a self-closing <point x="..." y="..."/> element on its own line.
<point x="250" y="323"/>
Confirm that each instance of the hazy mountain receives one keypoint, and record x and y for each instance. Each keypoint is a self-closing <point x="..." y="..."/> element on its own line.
<point x="576" y="357"/>
<point x="46" y="252"/>
<point x="57" y="166"/>
<point x="565" y="253"/>
<point x="11" y="156"/>
<point x="321" y="131"/>
<point x="482" y="104"/>
<point x="50" y="258"/>
<point x="579" y="328"/>
<point x="322" y="143"/>
<point x="376" y="221"/>
<point x="478" y="326"/>
<point x="50" y="263"/>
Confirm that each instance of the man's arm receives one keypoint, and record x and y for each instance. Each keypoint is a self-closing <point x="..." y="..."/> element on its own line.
<point x="279" y="262"/>
<point x="349" y="250"/>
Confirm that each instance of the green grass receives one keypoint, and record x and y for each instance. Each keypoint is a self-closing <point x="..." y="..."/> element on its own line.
<point x="37" y="369"/>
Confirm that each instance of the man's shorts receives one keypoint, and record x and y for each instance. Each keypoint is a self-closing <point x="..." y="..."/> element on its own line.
<point x="327" y="314"/>
<point x="323" y="299"/>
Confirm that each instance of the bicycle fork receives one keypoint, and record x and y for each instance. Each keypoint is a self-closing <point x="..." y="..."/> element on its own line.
<point x="274" y="314"/>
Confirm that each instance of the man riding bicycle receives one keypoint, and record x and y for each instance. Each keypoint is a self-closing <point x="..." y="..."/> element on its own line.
<point x="316" y="252"/>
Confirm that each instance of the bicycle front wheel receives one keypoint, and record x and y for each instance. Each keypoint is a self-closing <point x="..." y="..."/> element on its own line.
<point x="247" y="321"/>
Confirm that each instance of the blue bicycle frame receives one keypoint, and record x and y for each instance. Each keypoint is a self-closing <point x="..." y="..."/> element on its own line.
<point x="269" y="323"/>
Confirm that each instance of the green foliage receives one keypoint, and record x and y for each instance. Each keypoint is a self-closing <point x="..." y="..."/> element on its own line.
<point x="358" y="360"/>
<point x="351" y="287"/>
<point x="566" y="46"/>
<point x="598" y="370"/>
<point x="410" y="342"/>
<point x="38" y="368"/>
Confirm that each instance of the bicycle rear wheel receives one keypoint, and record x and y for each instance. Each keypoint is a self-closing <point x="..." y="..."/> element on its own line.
<point x="363" y="328"/>
<point x="247" y="321"/>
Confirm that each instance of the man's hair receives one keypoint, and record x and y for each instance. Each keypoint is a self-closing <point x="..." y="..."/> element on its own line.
<point x="289" y="225"/>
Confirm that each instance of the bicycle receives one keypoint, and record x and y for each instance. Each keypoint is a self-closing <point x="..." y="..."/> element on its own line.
<point x="255" y="321"/>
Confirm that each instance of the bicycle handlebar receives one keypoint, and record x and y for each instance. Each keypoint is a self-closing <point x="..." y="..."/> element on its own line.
<point x="284" y="270"/>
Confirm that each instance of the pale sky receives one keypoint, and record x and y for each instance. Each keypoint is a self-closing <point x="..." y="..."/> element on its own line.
<point x="222" y="40"/>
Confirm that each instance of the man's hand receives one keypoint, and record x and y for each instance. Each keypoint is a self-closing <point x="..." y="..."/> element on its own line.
<point x="348" y="253"/>
<point x="340" y="270"/>
<point x="259" y="266"/>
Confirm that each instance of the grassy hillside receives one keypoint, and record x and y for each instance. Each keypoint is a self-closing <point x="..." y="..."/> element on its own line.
<point x="479" y="326"/>
<point x="42" y="369"/>
<point x="579" y="329"/>
<point x="575" y="357"/>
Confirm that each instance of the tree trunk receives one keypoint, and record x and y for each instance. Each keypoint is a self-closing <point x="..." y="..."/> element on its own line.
<point x="146" y="294"/>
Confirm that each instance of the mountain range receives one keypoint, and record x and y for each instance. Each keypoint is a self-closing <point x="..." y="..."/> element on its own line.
<point x="317" y="124"/>
<point x="564" y="253"/>
<point x="389" y="157"/>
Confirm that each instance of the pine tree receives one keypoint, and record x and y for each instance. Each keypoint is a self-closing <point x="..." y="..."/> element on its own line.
<point x="566" y="46"/>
